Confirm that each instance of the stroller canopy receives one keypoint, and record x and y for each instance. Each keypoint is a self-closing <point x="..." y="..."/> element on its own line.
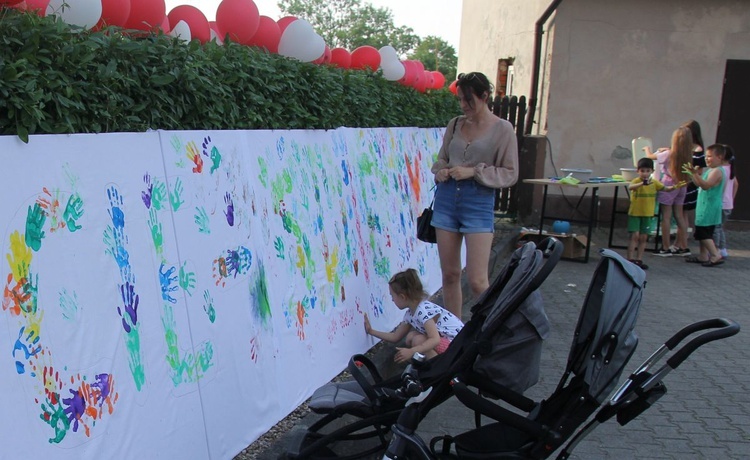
<point x="605" y="337"/>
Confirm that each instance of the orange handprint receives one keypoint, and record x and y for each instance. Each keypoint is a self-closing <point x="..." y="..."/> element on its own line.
<point x="194" y="155"/>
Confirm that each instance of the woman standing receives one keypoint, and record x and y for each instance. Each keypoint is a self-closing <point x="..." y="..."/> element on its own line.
<point x="479" y="154"/>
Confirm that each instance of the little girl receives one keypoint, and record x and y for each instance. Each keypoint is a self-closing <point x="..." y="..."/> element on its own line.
<point x="708" y="209"/>
<point x="670" y="162"/>
<point x="428" y="327"/>
<point x="730" y="191"/>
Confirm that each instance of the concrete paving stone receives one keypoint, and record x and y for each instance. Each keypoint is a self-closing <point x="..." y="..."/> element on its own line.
<point x="713" y="452"/>
<point x="689" y="427"/>
<point x="679" y="446"/>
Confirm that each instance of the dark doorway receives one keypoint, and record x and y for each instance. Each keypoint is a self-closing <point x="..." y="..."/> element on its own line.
<point x="733" y="119"/>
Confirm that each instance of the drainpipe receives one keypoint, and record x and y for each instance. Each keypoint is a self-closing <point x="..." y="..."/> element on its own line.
<point x="537" y="62"/>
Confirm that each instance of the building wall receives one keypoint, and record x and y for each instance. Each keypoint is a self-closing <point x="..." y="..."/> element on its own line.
<point x="492" y="30"/>
<point x="612" y="70"/>
<point x="638" y="68"/>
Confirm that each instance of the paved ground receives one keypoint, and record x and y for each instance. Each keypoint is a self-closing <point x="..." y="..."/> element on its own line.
<point x="706" y="412"/>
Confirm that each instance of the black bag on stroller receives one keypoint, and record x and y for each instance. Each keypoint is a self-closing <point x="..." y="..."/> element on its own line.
<point x="508" y="324"/>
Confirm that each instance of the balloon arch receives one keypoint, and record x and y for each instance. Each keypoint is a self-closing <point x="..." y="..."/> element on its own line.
<point x="241" y="21"/>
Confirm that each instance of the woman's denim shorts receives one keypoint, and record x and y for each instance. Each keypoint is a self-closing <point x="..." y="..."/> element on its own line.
<point x="464" y="206"/>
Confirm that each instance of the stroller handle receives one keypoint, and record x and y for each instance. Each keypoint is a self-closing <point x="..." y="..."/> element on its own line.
<point x="723" y="328"/>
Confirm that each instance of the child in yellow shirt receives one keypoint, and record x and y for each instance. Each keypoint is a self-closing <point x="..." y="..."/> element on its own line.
<point x="642" y="206"/>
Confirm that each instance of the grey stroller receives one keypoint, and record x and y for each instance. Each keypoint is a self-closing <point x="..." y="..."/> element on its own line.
<point x="603" y="343"/>
<point x="502" y="342"/>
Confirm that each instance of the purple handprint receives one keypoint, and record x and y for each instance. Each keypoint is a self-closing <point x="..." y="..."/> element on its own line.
<point x="230" y="209"/>
<point x="146" y="194"/>
<point x="130" y="302"/>
<point x="75" y="408"/>
<point x="206" y="144"/>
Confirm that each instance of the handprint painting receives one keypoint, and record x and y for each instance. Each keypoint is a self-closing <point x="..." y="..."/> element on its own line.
<point x="189" y="289"/>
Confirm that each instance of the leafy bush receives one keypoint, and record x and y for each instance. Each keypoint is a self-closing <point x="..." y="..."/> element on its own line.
<point x="58" y="79"/>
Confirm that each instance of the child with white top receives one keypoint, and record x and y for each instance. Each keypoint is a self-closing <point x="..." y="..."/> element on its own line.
<point x="428" y="327"/>
<point x="727" y="202"/>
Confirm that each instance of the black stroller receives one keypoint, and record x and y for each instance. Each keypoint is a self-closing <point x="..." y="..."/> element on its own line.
<point x="603" y="343"/>
<point x="507" y="326"/>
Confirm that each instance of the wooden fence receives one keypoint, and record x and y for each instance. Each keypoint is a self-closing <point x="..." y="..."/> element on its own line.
<point x="512" y="109"/>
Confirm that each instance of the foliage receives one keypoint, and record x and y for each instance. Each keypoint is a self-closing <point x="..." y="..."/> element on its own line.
<point x="58" y="79"/>
<point x="350" y="24"/>
<point x="436" y="54"/>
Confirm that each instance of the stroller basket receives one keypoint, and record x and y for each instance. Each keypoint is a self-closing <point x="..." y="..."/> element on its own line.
<point x="510" y="303"/>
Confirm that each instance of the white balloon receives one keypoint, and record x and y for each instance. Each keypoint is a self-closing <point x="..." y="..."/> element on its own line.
<point x="182" y="31"/>
<point x="299" y="41"/>
<point x="215" y="37"/>
<point x="82" y="13"/>
<point x="388" y="54"/>
<point x="393" y="70"/>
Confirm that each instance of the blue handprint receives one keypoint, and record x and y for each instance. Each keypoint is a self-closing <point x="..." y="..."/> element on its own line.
<point x="167" y="282"/>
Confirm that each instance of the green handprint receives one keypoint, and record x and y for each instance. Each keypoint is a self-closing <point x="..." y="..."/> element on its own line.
<point x="201" y="219"/>
<point x="215" y="159"/>
<point x="175" y="198"/>
<point x="279" y="245"/>
<point x="159" y="195"/>
<point x="688" y="169"/>
<point x="156" y="231"/>
<point x="187" y="280"/>
<point x="69" y="305"/>
<point x="73" y="212"/>
<point x="34" y="224"/>
<point x="178" y="147"/>
<point x="208" y="306"/>
<point x="54" y="416"/>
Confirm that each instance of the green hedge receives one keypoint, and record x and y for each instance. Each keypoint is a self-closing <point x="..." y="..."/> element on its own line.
<point x="55" y="79"/>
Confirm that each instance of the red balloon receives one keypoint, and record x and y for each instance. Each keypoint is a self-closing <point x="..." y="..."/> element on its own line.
<point x="340" y="57"/>
<point x="439" y="79"/>
<point x="215" y="28"/>
<point x="285" y="21"/>
<point x="366" y="57"/>
<point x="194" y="18"/>
<point x="146" y="14"/>
<point x="410" y="73"/>
<point x="267" y="36"/>
<point x="38" y="6"/>
<point x="10" y="2"/>
<point x="325" y="58"/>
<point x="165" y="27"/>
<point x="238" y="18"/>
<point x="419" y="81"/>
<point x="114" y="13"/>
<point x="452" y="87"/>
<point x="429" y="80"/>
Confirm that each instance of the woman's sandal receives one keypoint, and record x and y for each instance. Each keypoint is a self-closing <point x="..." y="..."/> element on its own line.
<point x="709" y="263"/>
<point x="695" y="260"/>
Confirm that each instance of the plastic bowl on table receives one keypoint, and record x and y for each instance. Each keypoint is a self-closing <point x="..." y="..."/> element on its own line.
<point x="629" y="174"/>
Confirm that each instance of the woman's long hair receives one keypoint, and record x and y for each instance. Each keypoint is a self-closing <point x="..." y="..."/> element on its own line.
<point x="681" y="152"/>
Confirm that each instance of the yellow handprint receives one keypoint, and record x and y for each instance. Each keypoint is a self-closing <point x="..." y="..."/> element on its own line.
<point x="19" y="258"/>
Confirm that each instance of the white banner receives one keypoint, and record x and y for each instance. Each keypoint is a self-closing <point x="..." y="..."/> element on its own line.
<point x="181" y="292"/>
